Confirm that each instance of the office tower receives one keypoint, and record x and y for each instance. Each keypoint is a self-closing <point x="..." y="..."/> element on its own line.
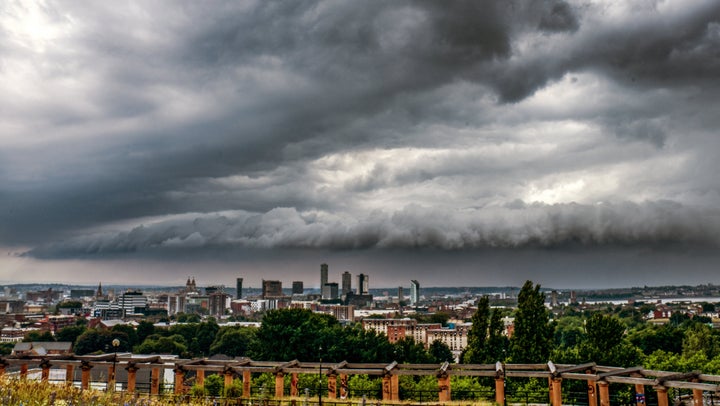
<point x="297" y="288"/>
<point x="346" y="283"/>
<point x="238" y="288"/>
<point x="363" y="284"/>
<point x="323" y="275"/>
<point x="330" y="291"/>
<point x="414" y="292"/>
<point x="271" y="289"/>
<point x="401" y="295"/>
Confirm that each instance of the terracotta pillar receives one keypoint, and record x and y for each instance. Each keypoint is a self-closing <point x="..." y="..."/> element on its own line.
<point x="604" y="393"/>
<point x="45" y="374"/>
<point x="228" y="378"/>
<point x="662" y="395"/>
<point x="179" y="380"/>
<point x="386" y="388"/>
<point x="279" y="385"/>
<point x="697" y="397"/>
<point x="69" y="373"/>
<point x="200" y="377"/>
<point x="444" y="386"/>
<point x="111" y="378"/>
<point x="247" y="378"/>
<point x="23" y="371"/>
<point x="293" y="384"/>
<point x="2" y="369"/>
<point x="85" y="377"/>
<point x="132" y="377"/>
<point x="155" y="381"/>
<point x="557" y="392"/>
<point x="343" y="386"/>
<point x="591" y="390"/>
<point x="640" y="395"/>
<point x="395" y="387"/>
<point x="332" y="386"/>
<point x="500" y="390"/>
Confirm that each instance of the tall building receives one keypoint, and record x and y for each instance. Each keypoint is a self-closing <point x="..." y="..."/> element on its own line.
<point x="330" y="291"/>
<point x="363" y="284"/>
<point x="323" y="275"/>
<point x="297" y="288"/>
<point x="346" y="283"/>
<point x="238" y="288"/>
<point x="271" y="289"/>
<point x="217" y="303"/>
<point x="132" y="302"/>
<point x="401" y="294"/>
<point x="414" y="292"/>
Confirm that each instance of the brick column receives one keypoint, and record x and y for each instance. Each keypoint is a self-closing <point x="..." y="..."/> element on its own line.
<point x="592" y="391"/>
<point x="228" y="378"/>
<point x="557" y="392"/>
<point x="155" y="381"/>
<point x="499" y="389"/>
<point x="69" y="373"/>
<point x="604" y="393"/>
<point x="200" y="377"/>
<point x="2" y="367"/>
<point x="247" y="378"/>
<point x="662" y="395"/>
<point x="279" y="385"/>
<point x="85" y="378"/>
<point x="640" y="395"/>
<point x="332" y="386"/>
<point x="179" y="379"/>
<point x="23" y="371"/>
<point x="111" y="378"/>
<point x="697" y="397"/>
<point x="444" y="386"/>
<point x="386" y="388"/>
<point x="293" y="384"/>
<point x="395" y="387"/>
<point x="132" y="377"/>
<point x="45" y="375"/>
<point x="343" y="386"/>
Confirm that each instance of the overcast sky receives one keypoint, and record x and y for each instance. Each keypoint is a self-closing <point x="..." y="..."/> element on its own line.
<point x="469" y="143"/>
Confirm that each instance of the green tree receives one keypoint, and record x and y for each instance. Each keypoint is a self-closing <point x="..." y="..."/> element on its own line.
<point x="70" y="333"/>
<point x="407" y="350"/>
<point x="144" y="329"/>
<point x="476" y="350"/>
<point x="232" y="341"/>
<point x="36" y="336"/>
<point x="699" y="338"/>
<point x="288" y="334"/>
<point x="605" y="344"/>
<point x="440" y="352"/>
<point x="532" y="339"/>
<point x="128" y="330"/>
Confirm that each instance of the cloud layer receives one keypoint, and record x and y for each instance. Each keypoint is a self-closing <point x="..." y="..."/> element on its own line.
<point x="150" y="127"/>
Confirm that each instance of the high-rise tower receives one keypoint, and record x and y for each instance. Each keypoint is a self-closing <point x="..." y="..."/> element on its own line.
<point x="414" y="292"/>
<point x="346" y="283"/>
<point x="363" y="284"/>
<point x="238" y="287"/>
<point x="323" y="275"/>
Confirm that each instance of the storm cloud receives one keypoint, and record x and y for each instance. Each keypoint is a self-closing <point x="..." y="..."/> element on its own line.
<point x="150" y="128"/>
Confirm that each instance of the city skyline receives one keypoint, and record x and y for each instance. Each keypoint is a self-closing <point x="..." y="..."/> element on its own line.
<point x="572" y="143"/>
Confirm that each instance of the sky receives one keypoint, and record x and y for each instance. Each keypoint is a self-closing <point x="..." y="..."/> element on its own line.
<point x="465" y="143"/>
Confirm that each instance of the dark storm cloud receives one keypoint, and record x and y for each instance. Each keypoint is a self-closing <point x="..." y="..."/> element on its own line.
<point x="516" y="226"/>
<point x="154" y="109"/>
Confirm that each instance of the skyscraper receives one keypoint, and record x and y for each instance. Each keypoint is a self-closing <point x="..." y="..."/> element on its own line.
<point x="323" y="275"/>
<point x="401" y="295"/>
<point x="414" y="292"/>
<point x="238" y="287"/>
<point x="363" y="284"/>
<point x="271" y="289"/>
<point x="297" y="288"/>
<point x="346" y="283"/>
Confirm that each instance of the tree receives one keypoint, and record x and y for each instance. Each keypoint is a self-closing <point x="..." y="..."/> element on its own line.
<point x="440" y="352"/>
<point x="700" y="339"/>
<point x="532" y="339"/>
<point x="70" y="333"/>
<point x="475" y="352"/>
<point x="36" y="336"/>
<point x="407" y="350"/>
<point x="232" y="341"/>
<point x="144" y="329"/>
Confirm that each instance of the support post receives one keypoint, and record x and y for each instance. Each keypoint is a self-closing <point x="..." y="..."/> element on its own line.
<point x="246" y="383"/>
<point x="69" y="373"/>
<point x="591" y="390"/>
<point x="111" y="378"/>
<point x="499" y="389"/>
<point x="132" y="377"/>
<point x="697" y="397"/>
<point x="343" y="386"/>
<point x="45" y="374"/>
<point x="228" y="378"/>
<point x="662" y="395"/>
<point x="395" y="387"/>
<point x="279" y="385"/>
<point x="640" y="395"/>
<point x="557" y="391"/>
<point x="444" y="387"/>
<point x="332" y="386"/>
<point x="85" y="377"/>
<point x="179" y="379"/>
<point x="200" y="377"/>
<point x="2" y="367"/>
<point x="294" y="385"/>
<point x="386" y="391"/>
<point x="604" y="393"/>
<point x="155" y="381"/>
<point x="23" y="371"/>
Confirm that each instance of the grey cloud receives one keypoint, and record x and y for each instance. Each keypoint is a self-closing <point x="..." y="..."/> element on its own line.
<point x="517" y="225"/>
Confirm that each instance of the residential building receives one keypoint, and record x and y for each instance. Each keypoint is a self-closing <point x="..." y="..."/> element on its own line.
<point x="346" y="281"/>
<point x="363" y="284"/>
